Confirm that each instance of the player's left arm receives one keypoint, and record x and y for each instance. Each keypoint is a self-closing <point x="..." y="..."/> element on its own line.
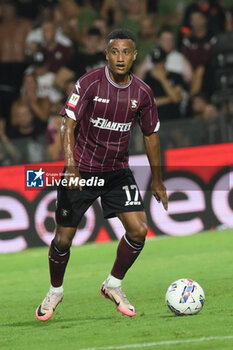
<point x="149" y="124"/>
<point x="152" y="147"/>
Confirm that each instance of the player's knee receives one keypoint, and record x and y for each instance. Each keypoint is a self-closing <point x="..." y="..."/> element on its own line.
<point x="138" y="232"/>
<point x="62" y="242"/>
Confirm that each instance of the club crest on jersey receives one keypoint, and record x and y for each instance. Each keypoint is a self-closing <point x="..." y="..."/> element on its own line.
<point x="73" y="100"/>
<point x="134" y="104"/>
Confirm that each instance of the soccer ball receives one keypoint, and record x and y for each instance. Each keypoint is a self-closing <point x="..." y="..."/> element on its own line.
<point x="185" y="297"/>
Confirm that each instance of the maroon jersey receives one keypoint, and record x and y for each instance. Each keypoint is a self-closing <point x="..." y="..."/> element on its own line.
<point x="198" y="51"/>
<point x="106" y="113"/>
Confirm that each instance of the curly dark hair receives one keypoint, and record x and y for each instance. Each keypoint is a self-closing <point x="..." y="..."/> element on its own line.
<point x="120" y="34"/>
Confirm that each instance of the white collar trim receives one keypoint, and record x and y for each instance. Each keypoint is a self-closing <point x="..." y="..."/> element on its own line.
<point x="115" y="84"/>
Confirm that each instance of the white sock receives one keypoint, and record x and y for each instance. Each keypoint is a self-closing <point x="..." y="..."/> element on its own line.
<point x="113" y="282"/>
<point x="58" y="290"/>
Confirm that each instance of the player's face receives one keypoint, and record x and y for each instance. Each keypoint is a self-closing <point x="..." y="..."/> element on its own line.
<point x="121" y="54"/>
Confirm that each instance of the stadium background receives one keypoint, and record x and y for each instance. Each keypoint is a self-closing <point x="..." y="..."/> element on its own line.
<point x="196" y="148"/>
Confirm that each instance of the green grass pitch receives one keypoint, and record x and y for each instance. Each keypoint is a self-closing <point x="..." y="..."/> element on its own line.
<point x="84" y="320"/>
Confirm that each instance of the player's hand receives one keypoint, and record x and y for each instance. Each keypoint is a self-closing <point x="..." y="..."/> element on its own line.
<point x="159" y="192"/>
<point x="73" y="178"/>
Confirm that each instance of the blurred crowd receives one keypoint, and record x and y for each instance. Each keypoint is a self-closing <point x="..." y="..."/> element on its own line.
<point x="185" y="54"/>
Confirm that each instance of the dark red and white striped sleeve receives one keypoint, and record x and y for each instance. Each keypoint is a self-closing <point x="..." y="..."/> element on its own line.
<point x="149" y="120"/>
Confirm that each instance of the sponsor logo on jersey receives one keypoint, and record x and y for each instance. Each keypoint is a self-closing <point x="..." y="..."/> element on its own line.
<point x="102" y="123"/>
<point x="134" y="104"/>
<point x="73" y="100"/>
<point x="99" y="99"/>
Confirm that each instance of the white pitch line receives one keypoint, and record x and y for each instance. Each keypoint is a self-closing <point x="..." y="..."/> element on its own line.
<point x="160" y="343"/>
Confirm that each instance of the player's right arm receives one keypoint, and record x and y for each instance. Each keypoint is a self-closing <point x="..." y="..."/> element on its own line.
<point x="68" y="142"/>
<point x="73" y="112"/>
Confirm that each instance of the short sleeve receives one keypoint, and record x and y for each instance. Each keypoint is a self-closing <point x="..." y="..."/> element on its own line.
<point x="148" y="120"/>
<point x="77" y="100"/>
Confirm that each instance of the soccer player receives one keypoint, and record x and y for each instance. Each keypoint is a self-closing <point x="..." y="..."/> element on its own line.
<point x="98" y="119"/>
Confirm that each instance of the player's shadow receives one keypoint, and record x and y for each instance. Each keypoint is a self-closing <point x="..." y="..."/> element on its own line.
<point x="36" y="323"/>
